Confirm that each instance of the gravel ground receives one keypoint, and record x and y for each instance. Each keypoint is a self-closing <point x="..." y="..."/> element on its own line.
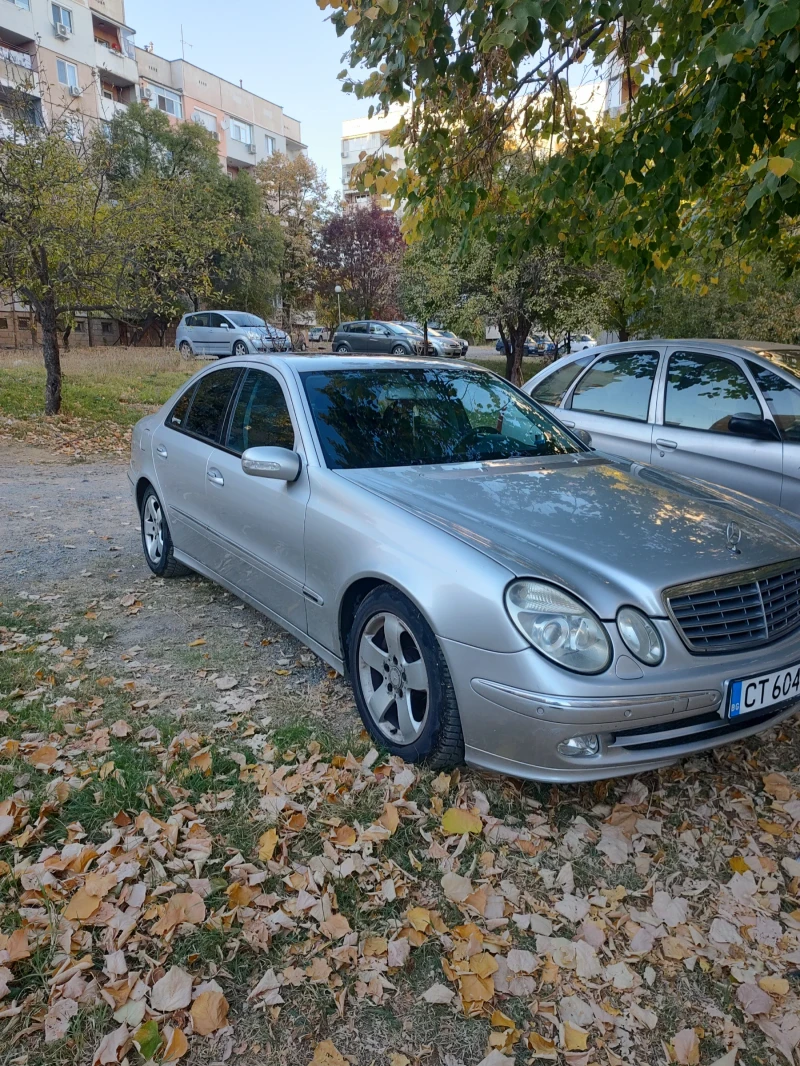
<point x="71" y="542"/>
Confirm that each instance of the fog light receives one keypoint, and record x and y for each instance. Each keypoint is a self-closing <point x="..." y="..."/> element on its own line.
<point x="580" y="747"/>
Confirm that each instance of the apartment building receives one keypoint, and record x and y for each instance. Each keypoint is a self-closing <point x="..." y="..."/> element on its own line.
<point x="81" y="55"/>
<point x="247" y="127"/>
<point x="370" y="135"/>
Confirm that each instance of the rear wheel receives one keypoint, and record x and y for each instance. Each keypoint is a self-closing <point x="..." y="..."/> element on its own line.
<point x="401" y="682"/>
<point x="186" y="350"/>
<point x="342" y="348"/>
<point x="156" y="539"/>
<point x="240" y="349"/>
<point x="399" y="350"/>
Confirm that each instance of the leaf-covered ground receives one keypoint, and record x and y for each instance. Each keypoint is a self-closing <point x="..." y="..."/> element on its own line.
<point x="203" y="888"/>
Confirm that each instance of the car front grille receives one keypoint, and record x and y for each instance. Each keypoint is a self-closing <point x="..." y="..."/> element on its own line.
<point x="688" y="733"/>
<point x="739" y="611"/>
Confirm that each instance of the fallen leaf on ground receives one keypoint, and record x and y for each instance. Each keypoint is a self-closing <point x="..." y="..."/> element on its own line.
<point x="209" y="1013"/>
<point x="686" y="1047"/>
<point x="172" y="992"/>
<point x="327" y="1054"/>
<point x="457" y="820"/>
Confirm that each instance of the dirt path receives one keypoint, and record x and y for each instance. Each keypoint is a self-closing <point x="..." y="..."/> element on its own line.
<point x="71" y="542"/>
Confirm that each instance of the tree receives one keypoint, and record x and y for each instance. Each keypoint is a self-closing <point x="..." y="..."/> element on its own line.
<point x="64" y="242"/>
<point x="199" y="232"/>
<point x="706" y="154"/>
<point x="295" y="195"/>
<point x="362" y="250"/>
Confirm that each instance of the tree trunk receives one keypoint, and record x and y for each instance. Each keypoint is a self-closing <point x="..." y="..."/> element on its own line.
<point x="425" y="337"/>
<point x="506" y="349"/>
<point x="519" y="335"/>
<point x="52" y="357"/>
<point x="67" y="332"/>
<point x="624" y="333"/>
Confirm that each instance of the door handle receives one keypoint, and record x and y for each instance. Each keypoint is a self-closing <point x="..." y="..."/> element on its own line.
<point x="569" y="425"/>
<point x="215" y="476"/>
<point x="162" y="451"/>
<point x="667" y="445"/>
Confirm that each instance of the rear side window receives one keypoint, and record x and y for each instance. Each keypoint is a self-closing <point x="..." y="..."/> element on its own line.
<point x="358" y="327"/>
<point x="210" y="404"/>
<point x="783" y="400"/>
<point x="178" y="416"/>
<point x="554" y="387"/>
<point x="261" y="418"/>
<point x="618" y="385"/>
<point x="190" y="320"/>
<point x="704" y="391"/>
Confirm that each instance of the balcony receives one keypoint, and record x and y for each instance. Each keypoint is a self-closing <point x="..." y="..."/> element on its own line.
<point x="16" y="23"/>
<point x="109" y="108"/>
<point x="115" y="66"/>
<point x="239" y="154"/>
<point x="18" y="71"/>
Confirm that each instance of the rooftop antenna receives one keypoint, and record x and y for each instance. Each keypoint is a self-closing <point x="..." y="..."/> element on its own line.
<point x="184" y="44"/>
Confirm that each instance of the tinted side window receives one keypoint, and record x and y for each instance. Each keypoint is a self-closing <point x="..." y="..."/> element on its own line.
<point x="200" y="320"/>
<point x="261" y="418"/>
<point x="553" y="389"/>
<point x="703" y="391"/>
<point x="618" y="385"/>
<point x="178" y="414"/>
<point x="215" y="320"/>
<point x="211" y="402"/>
<point x="783" y="400"/>
<point x="357" y="327"/>
<point x="191" y="320"/>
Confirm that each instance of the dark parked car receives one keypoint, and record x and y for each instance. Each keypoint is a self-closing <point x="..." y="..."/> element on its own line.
<point x="381" y="338"/>
<point x="531" y="347"/>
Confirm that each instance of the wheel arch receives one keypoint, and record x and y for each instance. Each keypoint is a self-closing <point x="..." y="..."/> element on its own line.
<point x="142" y="485"/>
<point x="351" y="599"/>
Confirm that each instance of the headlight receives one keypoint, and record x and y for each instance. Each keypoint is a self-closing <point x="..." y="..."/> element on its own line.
<point x="640" y="636"/>
<point x="254" y="335"/>
<point x="559" y="626"/>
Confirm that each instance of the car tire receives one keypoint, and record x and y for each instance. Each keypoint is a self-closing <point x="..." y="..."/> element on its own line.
<point x="156" y="539"/>
<point x="186" y="350"/>
<point x="240" y="349"/>
<point x="430" y="730"/>
<point x="342" y="348"/>
<point x="399" y="350"/>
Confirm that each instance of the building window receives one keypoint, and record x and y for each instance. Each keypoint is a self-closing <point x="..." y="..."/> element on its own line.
<point x="269" y="145"/>
<point x="203" y="118"/>
<point x="62" y="16"/>
<point x="24" y="323"/>
<point x="67" y="73"/>
<point x="3" y="323"/>
<point x="240" y="131"/>
<point x="79" y="327"/>
<point x="105" y="327"/>
<point x="166" y="101"/>
<point x="26" y="4"/>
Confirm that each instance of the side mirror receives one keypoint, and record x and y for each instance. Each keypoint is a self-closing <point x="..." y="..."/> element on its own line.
<point x="280" y="464"/>
<point x="224" y="325"/>
<point x="584" y="435"/>
<point x="747" y="425"/>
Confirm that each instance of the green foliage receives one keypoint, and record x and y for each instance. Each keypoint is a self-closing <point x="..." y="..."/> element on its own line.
<point x="705" y="155"/>
<point x="295" y="199"/>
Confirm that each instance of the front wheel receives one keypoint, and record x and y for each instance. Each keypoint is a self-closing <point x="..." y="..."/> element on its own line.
<point x="186" y="350"/>
<point x="156" y="539"/>
<point x="240" y="349"/>
<point x="401" y="682"/>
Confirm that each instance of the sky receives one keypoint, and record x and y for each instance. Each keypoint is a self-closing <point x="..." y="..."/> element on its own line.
<point x="284" y="50"/>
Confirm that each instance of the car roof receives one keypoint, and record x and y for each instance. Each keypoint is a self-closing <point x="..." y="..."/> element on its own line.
<point x="759" y="351"/>
<point x="325" y="361"/>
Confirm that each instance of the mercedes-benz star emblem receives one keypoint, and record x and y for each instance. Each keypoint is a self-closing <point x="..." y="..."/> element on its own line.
<point x="733" y="534"/>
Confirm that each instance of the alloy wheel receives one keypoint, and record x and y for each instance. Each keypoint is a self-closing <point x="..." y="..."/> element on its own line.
<point x="393" y="678"/>
<point x="153" y="527"/>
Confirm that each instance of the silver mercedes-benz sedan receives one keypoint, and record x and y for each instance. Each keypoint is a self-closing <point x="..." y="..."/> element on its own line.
<point x="496" y="590"/>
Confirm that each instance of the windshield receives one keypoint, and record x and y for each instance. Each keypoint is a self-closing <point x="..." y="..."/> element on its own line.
<point x="240" y="318"/>
<point x="403" y="417"/>
<point x="409" y="327"/>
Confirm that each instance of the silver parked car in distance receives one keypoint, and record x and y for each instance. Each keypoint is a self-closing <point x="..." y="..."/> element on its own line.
<point x="724" y="411"/>
<point x="495" y="589"/>
<point x="224" y="333"/>
<point x="441" y="342"/>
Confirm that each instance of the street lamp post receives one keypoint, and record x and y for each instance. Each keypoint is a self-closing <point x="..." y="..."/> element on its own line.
<point x="338" y="291"/>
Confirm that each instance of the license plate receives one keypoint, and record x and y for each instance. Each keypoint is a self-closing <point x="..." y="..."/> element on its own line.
<point x="756" y="693"/>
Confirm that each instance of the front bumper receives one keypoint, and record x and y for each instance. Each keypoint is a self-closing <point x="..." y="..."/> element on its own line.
<point x="513" y="719"/>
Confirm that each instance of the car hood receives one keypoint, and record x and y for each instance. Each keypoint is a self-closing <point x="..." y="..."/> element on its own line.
<point x="612" y="531"/>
